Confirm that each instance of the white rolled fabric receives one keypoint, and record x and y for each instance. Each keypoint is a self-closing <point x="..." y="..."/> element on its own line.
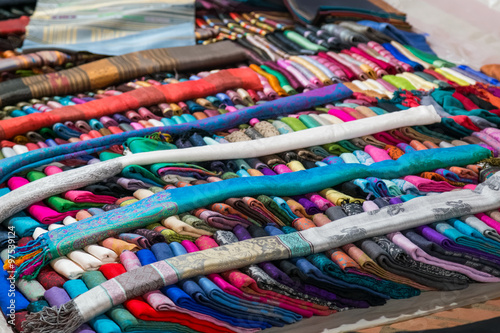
<point x="69" y="220"/>
<point x="4" y="255"/>
<point x="103" y="254"/>
<point x="55" y="226"/>
<point x="20" y="149"/>
<point x="38" y="232"/>
<point x="86" y="261"/>
<point x="67" y="268"/>
<point x="43" y="188"/>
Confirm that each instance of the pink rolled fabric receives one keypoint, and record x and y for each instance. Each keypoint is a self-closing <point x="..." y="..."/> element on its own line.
<point x="365" y="48"/>
<point x="470" y="187"/>
<point x="355" y="69"/>
<point x="160" y="302"/>
<point x="387" y="85"/>
<point x="331" y="66"/>
<point x="320" y="219"/>
<point x="378" y="70"/>
<point x="428" y="185"/>
<point x="268" y="90"/>
<point x="350" y="74"/>
<point x="493" y="132"/>
<point x="296" y="73"/>
<point x="369" y="205"/>
<point x="386" y="54"/>
<point x="51" y="170"/>
<point x="241" y="283"/>
<point x="281" y="168"/>
<point x="319" y="201"/>
<point x="382" y="64"/>
<point x="314" y="80"/>
<point x="39" y="210"/>
<point x="87" y="196"/>
<point x="353" y="112"/>
<point x="490" y="222"/>
<point x="420" y="255"/>
<point x="489" y="140"/>
<point x="344" y="116"/>
<point x="377" y="154"/>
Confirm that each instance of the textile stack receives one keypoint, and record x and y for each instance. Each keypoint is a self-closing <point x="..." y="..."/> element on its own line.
<point x="236" y="166"/>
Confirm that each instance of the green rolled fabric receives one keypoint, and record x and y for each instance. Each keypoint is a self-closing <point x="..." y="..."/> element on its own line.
<point x="294" y="123"/>
<point x="196" y="222"/>
<point x="377" y="110"/>
<point x="106" y="155"/>
<point x="47" y="133"/>
<point x="399" y="82"/>
<point x="454" y="107"/>
<point x="138" y="172"/>
<point x="348" y="145"/>
<point x="59" y="204"/>
<point x="274" y="208"/>
<point x="454" y="127"/>
<point x="229" y="175"/>
<point x="141" y="145"/>
<point x="430" y="58"/>
<point x="63" y="205"/>
<point x="282" y="80"/>
<point x="335" y="149"/>
<point x="303" y="42"/>
<point x="309" y="121"/>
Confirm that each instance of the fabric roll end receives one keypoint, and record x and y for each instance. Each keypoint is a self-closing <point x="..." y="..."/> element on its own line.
<point x="64" y="319"/>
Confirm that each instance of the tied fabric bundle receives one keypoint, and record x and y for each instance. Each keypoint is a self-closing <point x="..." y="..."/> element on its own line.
<point x="210" y="85"/>
<point x="240" y="254"/>
<point x="36" y="254"/>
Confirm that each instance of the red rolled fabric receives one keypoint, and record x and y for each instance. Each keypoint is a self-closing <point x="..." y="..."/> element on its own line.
<point x="171" y="93"/>
<point x="142" y="310"/>
<point x="14" y="26"/>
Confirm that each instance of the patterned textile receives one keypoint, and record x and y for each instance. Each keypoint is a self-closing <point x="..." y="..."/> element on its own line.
<point x="67" y="82"/>
<point x="315" y="240"/>
<point x="102" y="28"/>
<point x="161" y="205"/>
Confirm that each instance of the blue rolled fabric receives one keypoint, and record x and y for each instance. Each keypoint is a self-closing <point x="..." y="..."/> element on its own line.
<point x="101" y="323"/>
<point x="475" y="234"/>
<point x="282" y="106"/>
<point x="181" y="298"/>
<point x="451" y="232"/>
<point x="401" y="36"/>
<point x="485" y="77"/>
<point x="11" y="299"/>
<point x="282" y="203"/>
<point x="65" y="132"/>
<point x="399" y="56"/>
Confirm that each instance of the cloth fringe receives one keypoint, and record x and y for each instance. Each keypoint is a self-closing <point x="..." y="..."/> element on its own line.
<point x="63" y="319"/>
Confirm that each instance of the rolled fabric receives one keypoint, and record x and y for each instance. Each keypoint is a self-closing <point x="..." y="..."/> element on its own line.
<point x="310" y="137"/>
<point x="66" y="268"/>
<point x="117" y="245"/>
<point x="164" y="204"/>
<point x="100" y="299"/>
<point x="272" y="109"/>
<point x="85" y="260"/>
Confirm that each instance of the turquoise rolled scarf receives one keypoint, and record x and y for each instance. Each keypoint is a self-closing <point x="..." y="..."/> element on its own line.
<point x="32" y="257"/>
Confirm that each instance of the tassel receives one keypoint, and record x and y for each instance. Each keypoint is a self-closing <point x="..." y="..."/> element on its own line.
<point x="30" y="259"/>
<point x="64" y="319"/>
<point x="492" y="161"/>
